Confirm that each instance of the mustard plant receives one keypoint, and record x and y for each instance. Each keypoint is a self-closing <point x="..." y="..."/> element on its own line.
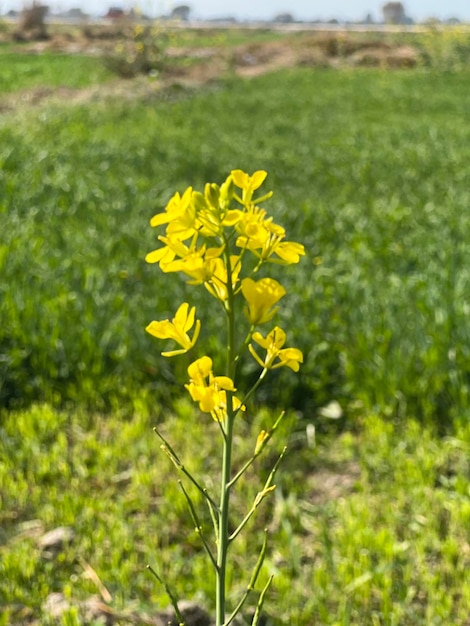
<point x="221" y="239"/>
<point x="445" y="48"/>
<point x="143" y="51"/>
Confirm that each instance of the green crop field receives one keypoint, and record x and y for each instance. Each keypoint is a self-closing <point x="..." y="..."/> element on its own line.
<point x="370" y="520"/>
<point x="21" y="71"/>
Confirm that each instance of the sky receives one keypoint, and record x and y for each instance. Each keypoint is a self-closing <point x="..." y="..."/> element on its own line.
<point x="349" y="10"/>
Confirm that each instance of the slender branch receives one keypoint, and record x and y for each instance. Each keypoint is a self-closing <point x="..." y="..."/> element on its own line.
<point x="198" y="525"/>
<point x="268" y="487"/>
<point x="170" y="593"/>
<point x="176" y="461"/>
<point x="251" y="391"/>
<point x="215" y="521"/>
<point x="260" y="496"/>
<point x="259" y="606"/>
<point x="269" y="433"/>
<point x="261" y="557"/>
<point x="253" y="579"/>
<point x="222" y="430"/>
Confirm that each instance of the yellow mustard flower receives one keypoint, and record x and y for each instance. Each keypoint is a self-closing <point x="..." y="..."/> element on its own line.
<point x="263" y="238"/>
<point x="287" y="251"/>
<point x="165" y="256"/>
<point x="179" y="215"/>
<point x="213" y="212"/>
<point x="218" y="283"/>
<point x="259" y="234"/>
<point x="198" y="267"/>
<point x="198" y="264"/>
<point x="248" y="184"/>
<point x="162" y="255"/>
<point x="177" y="329"/>
<point x="209" y="390"/>
<point x="272" y="343"/>
<point x="255" y="217"/>
<point x="261" y="296"/>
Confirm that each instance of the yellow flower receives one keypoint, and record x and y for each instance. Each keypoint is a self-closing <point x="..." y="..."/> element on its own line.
<point x="287" y="251"/>
<point x="218" y="283"/>
<point x="212" y="209"/>
<point x="166" y="255"/>
<point x="180" y="215"/>
<point x="162" y="255"/>
<point x="289" y="357"/>
<point x="199" y="264"/>
<point x="209" y="390"/>
<point x="263" y="238"/>
<point x="177" y="329"/>
<point x="248" y="184"/>
<point x="261" y="296"/>
<point x="254" y="216"/>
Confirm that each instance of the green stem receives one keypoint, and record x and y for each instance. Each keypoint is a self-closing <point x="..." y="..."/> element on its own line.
<point x="225" y="487"/>
<point x="223" y="520"/>
<point x="170" y="593"/>
<point x="252" y="583"/>
<point x="197" y="524"/>
<point x="260" y="604"/>
<point x="268" y="487"/>
<point x="171" y="454"/>
<point x="251" y="391"/>
<point x="267" y="437"/>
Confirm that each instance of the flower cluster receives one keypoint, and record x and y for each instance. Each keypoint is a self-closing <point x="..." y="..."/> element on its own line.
<point x="223" y="239"/>
<point x="209" y="390"/>
<point x="220" y="239"/>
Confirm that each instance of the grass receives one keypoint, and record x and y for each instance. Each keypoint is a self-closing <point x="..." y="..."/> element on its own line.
<point x="223" y="37"/>
<point x="369" y="172"/>
<point x="371" y="180"/>
<point x="369" y="527"/>
<point x="27" y="71"/>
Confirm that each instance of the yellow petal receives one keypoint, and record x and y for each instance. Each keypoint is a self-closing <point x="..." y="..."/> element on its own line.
<point x="157" y="255"/>
<point x="182" y="319"/>
<point x="161" y="330"/>
<point x="290" y="251"/>
<point x="258" y="179"/>
<point x="276" y="338"/>
<point x="240" y="178"/>
<point x="201" y="368"/>
<point x="260" y="441"/>
<point x="174" y="352"/>
<point x="255" y="355"/>
<point x="224" y="382"/>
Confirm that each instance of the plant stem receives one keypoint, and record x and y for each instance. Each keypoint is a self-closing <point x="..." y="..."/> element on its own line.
<point x="225" y="485"/>
<point x="223" y="520"/>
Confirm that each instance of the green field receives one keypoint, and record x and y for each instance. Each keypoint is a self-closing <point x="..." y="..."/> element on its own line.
<point x="369" y="172"/>
<point x="22" y="71"/>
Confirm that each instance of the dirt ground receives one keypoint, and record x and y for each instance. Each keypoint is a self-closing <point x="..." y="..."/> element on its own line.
<point x="197" y="66"/>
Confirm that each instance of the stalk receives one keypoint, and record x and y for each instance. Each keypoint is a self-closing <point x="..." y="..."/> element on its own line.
<point x="225" y="486"/>
<point x="223" y="521"/>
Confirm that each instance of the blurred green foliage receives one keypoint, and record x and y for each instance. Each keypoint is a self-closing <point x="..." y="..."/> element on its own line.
<point x="143" y="50"/>
<point x="369" y="527"/>
<point x="445" y="48"/>
<point x="369" y="172"/>
<point x="20" y="70"/>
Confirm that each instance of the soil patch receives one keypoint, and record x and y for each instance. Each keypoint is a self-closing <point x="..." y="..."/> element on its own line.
<point x="197" y="66"/>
